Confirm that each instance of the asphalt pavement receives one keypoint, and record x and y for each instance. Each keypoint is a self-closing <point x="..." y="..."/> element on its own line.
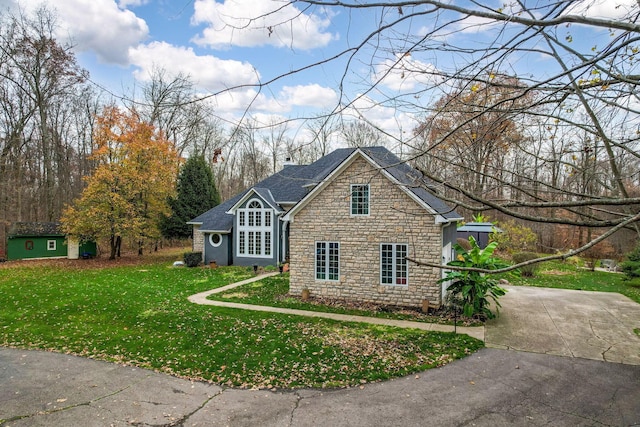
<point x="492" y="387"/>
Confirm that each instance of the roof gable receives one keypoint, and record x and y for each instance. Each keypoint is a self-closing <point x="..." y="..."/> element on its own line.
<point x="409" y="179"/>
<point x="263" y="193"/>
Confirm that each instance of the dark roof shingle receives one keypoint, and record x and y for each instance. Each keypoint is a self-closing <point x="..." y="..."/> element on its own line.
<point x="35" y="229"/>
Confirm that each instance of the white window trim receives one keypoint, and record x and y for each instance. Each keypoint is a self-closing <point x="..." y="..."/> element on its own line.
<point x="262" y="229"/>
<point x="49" y="246"/>
<point x="315" y="261"/>
<point x="211" y="239"/>
<point x="394" y="265"/>
<point x="351" y="200"/>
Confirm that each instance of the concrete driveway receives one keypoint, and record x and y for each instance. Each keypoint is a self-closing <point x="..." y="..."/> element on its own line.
<point x="590" y="325"/>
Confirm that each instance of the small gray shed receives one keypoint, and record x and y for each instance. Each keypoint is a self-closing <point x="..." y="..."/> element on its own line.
<point x="479" y="230"/>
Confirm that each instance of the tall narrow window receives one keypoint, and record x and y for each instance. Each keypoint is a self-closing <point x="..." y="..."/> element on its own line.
<point x="327" y="261"/>
<point x="242" y="243"/>
<point x="393" y="264"/>
<point x="254" y="230"/>
<point x="359" y="199"/>
<point x="252" y="245"/>
<point x="267" y="243"/>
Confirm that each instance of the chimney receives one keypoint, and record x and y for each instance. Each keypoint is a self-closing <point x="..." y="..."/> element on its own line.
<point x="288" y="162"/>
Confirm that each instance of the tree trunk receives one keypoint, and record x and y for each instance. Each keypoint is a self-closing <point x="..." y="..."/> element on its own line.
<point x="113" y="246"/>
<point x="118" y="246"/>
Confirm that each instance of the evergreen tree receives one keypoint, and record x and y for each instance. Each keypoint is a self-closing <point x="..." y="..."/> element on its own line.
<point x="196" y="194"/>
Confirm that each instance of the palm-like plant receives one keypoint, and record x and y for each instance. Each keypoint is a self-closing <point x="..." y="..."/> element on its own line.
<point x="475" y="289"/>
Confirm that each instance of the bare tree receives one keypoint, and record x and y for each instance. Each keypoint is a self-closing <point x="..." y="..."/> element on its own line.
<point x="585" y="95"/>
<point x="321" y="132"/>
<point x="41" y="142"/>
<point x="276" y="142"/>
<point x="361" y="134"/>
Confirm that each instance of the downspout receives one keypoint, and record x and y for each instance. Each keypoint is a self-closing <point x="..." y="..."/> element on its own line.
<point x="283" y="240"/>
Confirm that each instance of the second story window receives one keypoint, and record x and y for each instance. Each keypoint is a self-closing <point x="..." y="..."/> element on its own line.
<point x="359" y="199"/>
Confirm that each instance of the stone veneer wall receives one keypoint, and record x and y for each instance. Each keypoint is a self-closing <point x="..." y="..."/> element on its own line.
<point x="394" y="218"/>
<point x="198" y="240"/>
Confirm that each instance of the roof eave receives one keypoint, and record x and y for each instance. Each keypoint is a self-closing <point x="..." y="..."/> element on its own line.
<point x="442" y="220"/>
<point x="218" y="231"/>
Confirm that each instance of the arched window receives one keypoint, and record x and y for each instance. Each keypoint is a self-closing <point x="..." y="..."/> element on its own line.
<point x="254" y="230"/>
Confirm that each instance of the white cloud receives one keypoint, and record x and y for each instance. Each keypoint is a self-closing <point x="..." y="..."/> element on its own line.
<point x="406" y="74"/>
<point x="238" y="101"/>
<point x="97" y="25"/>
<point x="258" y="23"/>
<point x="312" y="95"/>
<point x="611" y="9"/>
<point x="214" y="75"/>
<point x="207" y="72"/>
<point x="132" y="3"/>
<point x="477" y="24"/>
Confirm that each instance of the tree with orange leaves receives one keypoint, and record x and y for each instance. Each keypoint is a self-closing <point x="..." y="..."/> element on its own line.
<point x="471" y="131"/>
<point x="127" y="194"/>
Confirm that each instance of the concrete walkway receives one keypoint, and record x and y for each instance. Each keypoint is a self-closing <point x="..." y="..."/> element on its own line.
<point x="590" y="325"/>
<point x="201" y="298"/>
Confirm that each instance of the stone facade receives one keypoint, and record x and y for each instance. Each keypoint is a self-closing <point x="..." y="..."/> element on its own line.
<point x="393" y="218"/>
<point x="198" y="240"/>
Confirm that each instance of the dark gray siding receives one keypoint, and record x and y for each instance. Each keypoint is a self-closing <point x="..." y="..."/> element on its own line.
<point x="220" y="254"/>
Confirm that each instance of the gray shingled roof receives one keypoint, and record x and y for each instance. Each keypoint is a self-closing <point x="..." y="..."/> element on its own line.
<point x="217" y="218"/>
<point x="267" y="196"/>
<point x="293" y="182"/>
<point x="35" y="229"/>
<point x="411" y="178"/>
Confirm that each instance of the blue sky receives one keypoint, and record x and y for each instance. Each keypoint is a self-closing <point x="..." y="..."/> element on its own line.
<point x="120" y="41"/>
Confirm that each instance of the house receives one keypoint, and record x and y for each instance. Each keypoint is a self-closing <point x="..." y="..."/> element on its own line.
<point x="479" y="230"/>
<point x="347" y="223"/>
<point x="29" y="240"/>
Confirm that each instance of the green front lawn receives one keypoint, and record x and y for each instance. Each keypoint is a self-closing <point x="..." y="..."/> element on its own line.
<point x="140" y="315"/>
<point x="557" y="274"/>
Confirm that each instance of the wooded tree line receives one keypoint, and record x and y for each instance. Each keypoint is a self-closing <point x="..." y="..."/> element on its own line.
<point x="52" y="141"/>
<point x="497" y="149"/>
<point x="561" y="154"/>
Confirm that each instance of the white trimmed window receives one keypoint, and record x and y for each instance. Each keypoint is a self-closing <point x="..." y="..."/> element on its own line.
<point x="51" y="245"/>
<point x="254" y="229"/>
<point x="359" y="199"/>
<point x="328" y="261"/>
<point x="394" y="269"/>
<point x="215" y="239"/>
